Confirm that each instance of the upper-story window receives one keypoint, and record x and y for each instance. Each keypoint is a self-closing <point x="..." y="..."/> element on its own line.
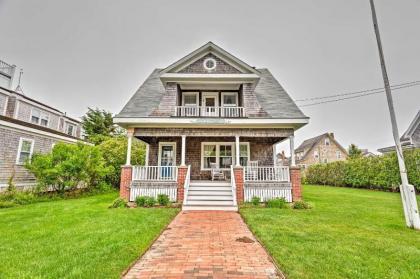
<point x="39" y="117"/>
<point x="25" y="149"/>
<point x="338" y="153"/>
<point x="316" y="154"/>
<point x="229" y="99"/>
<point x="327" y="141"/>
<point x="70" y="129"/>
<point x="190" y="99"/>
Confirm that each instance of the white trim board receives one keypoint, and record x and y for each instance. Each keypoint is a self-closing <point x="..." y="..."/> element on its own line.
<point x="36" y="132"/>
<point x="31" y="151"/>
<point x="166" y="143"/>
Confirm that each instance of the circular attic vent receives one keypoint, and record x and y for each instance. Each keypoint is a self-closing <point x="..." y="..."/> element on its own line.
<point x="209" y="64"/>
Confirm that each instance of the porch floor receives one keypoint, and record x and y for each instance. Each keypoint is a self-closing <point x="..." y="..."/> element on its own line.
<point x="205" y="244"/>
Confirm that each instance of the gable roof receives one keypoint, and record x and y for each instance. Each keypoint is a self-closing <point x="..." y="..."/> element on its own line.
<point x="270" y="94"/>
<point x="309" y="144"/>
<point x="412" y="128"/>
<point x="210" y="47"/>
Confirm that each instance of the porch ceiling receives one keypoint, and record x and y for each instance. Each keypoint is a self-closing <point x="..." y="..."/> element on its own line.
<point x="208" y="132"/>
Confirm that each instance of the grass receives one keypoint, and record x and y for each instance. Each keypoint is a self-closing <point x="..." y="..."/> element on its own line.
<point x="349" y="233"/>
<point x="78" y="238"/>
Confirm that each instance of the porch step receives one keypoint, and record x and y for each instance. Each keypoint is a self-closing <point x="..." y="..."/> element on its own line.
<point x="209" y="183"/>
<point x="207" y="207"/>
<point x="210" y="198"/>
<point x="210" y="188"/>
<point x="210" y="202"/>
<point x="210" y="193"/>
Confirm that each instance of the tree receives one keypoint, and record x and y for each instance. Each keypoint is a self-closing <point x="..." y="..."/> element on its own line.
<point x="98" y="125"/>
<point x="354" y="151"/>
<point x="114" y="151"/>
<point x="69" y="166"/>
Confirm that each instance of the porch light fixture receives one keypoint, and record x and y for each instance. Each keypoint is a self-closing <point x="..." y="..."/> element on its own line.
<point x="209" y="64"/>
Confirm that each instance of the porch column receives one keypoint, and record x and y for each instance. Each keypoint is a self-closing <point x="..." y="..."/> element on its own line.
<point x="183" y="142"/>
<point x="130" y="132"/>
<point x="292" y="151"/>
<point x="238" y="163"/>
<point x="146" y="159"/>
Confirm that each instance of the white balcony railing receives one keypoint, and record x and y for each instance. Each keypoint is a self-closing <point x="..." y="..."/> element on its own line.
<point x="155" y="173"/>
<point x="266" y="174"/>
<point x="196" y="111"/>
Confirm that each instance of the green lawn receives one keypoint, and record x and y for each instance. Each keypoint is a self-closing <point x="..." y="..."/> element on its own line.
<point x="350" y="233"/>
<point x="78" y="238"/>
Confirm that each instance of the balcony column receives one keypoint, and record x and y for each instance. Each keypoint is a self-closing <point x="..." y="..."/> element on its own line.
<point x="130" y="132"/>
<point x="292" y="151"/>
<point x="183" y="143"/>
<point x="238" y="163"/>
<point x="146" y="159"/>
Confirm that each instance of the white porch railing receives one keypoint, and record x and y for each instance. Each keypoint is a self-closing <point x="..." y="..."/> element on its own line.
<point x="187" y="184"/>
<point x="196" y="111"/>
<point x="266" y="174"/>
<point x="233" y="186"/>
<point x="155" y="173"/>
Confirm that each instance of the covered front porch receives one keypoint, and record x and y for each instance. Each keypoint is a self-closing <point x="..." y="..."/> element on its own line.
<point x="175" y="157"/>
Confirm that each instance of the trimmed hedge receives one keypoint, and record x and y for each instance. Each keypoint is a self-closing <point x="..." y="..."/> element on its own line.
<point x="379" y="172"/>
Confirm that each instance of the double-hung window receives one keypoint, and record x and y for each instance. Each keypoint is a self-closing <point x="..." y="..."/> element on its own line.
<point x="223" y="154"/>
<point x="230" y="104"/>
<point x="189" y="104"/>
<point x="39" y="117"/>
<point x="25" y="149"/>
<point x="70" y="129"/>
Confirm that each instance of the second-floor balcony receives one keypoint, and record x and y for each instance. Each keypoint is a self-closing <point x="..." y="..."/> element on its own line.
<point x="200" y="111"/>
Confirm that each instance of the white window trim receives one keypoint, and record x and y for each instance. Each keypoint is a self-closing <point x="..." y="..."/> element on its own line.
<point x="217" y="144"/>
<point x="338" y="154"/>
<point x="20" y="149"/>
<point x="227" y="94"/>
<point x="42" y="115"/>
<point x="214" y="64"/>
<point x="327" y="140"/>
<point x="162" y="143"/>
<point x="190" y="94"/>
<point x="66" y="125"/>
<point x="316" y="154"/>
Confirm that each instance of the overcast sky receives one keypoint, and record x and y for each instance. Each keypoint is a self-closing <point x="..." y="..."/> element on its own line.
<point x="78" y="54"/>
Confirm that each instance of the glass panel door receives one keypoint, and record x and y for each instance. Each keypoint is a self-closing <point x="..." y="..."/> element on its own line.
<point x="167" y="159"/>
<point x="210" y="104"/>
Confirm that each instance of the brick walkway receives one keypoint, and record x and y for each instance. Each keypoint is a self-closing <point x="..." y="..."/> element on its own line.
<point x="204" y="244"/>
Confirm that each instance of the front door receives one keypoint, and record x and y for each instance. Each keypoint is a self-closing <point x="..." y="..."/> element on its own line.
<point x="167" y="158"/>
<point x="210" y="104"/>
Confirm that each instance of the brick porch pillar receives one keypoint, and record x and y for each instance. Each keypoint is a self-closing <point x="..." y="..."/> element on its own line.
<point x="296" y="183"/>
<point x="125" y="182"/>
<point x="239" y="179"/>
<point x="182" y="173"/>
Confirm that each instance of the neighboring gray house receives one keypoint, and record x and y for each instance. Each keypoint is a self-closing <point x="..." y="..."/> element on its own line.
<point x="28" y="126"/>
<point x="211" y="116"/>
<point x="410" y="139"/>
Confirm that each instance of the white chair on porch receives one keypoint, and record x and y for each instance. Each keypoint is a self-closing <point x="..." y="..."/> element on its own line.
<point x="252" y="170"/>
<point x="216" y="173"/>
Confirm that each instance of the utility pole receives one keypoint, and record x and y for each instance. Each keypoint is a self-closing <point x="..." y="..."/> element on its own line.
<point x="408" y="194"/>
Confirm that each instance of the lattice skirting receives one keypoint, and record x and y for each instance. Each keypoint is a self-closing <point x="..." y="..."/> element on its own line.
<point x="267" y="193"/>
<point x="153" y="191"/>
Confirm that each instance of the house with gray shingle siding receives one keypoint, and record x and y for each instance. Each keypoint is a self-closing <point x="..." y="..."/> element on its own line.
<point x="210" y="122"/>
<point x="28" y="126"/>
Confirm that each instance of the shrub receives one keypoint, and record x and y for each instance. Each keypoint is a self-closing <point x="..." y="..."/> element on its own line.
<point x="379" y="172"/>
<point x="163" y="199"/>
<point x="141" y="201"/>
<point x="255" y="200"/>
<point x="150" y="202"/>
<point x="119" y="203"/>
<point x="69" y="166"/>
<point x="277" y="203"/>
<point x="300" y="205"/>
<point x="7" y="204"/>
<point x="114" y="150"/>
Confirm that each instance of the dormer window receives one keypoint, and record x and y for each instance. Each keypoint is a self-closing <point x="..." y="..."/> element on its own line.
<point x="39" y="117"/>
<point x="229" y="99"/>
<point x="327" y="141"/>
<point x="209" y="64"/>
<point x="70" y="129"/>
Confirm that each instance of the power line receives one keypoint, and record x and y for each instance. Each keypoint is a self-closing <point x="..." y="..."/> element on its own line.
<point x="356" y="92"/>
<point x="360" y="95"/>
